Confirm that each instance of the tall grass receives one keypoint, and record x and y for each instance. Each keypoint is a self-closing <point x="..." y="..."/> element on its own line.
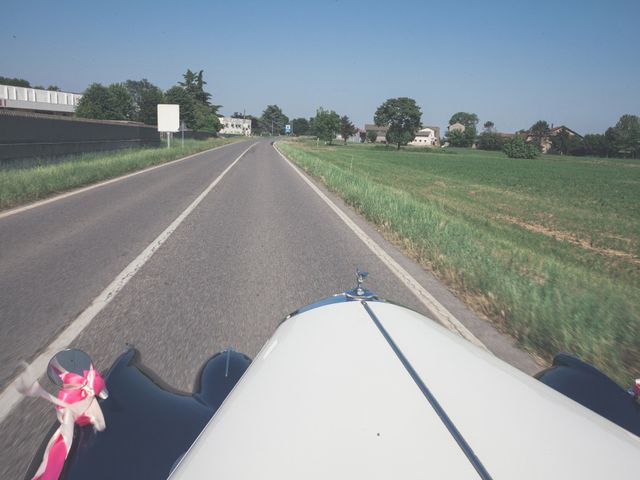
<point x="21" y="185"/>
<point x="547" y="303"/>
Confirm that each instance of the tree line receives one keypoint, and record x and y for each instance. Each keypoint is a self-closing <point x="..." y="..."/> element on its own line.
<point x="619" y="140"/>
<point x="137" y="100"/>
<point x="401" y="116"/>
<point x="326" y="124"/>
<point x="21" y="82"/>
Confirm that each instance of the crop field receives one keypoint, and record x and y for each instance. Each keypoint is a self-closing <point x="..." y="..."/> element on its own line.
<point x="548" y="249"/>
<point x="30" y="181"/>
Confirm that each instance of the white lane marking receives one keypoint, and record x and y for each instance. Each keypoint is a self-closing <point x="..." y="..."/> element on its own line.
<point x="10" y="397"/>
<point x="444" y="316"/>
<point x="40" y="203"/>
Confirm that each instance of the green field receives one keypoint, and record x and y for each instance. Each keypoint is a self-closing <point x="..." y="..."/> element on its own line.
<point x="548" y="249"/>
<point x="20" y="185"/>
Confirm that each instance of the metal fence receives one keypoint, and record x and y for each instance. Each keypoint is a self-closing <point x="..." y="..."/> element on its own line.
<point x="32" y="135"/>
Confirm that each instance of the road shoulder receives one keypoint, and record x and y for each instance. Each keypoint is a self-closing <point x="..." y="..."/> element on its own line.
<point x="500" y="344"/>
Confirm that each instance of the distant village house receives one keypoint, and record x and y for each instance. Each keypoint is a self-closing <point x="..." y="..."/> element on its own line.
<point x="381" y="132"/>
<point x="546" y="142"/>
<point x="456" y="127"/>
<point x="427" y="137"/>
<point x="235" y="126"/>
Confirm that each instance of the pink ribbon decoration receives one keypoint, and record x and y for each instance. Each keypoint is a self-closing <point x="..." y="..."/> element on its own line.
<point x="76" y="403"/>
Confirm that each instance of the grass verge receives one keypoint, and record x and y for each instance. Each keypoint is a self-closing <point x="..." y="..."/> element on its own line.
<point x="550" y="294"/>
<point x="23" y="185"/>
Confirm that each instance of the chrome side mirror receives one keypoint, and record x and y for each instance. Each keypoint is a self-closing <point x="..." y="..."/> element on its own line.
<point x="71" y="360"/>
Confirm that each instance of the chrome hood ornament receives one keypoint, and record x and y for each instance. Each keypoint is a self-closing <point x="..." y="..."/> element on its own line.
<point x="360" y="293"/>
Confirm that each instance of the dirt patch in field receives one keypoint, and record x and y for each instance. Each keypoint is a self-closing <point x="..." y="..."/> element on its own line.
<point x="570" y="238"/>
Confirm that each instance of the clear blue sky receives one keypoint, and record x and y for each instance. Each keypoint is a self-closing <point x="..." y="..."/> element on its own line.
<point x="512" y="62"/>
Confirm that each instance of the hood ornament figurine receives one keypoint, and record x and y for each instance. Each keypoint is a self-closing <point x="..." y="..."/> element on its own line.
<point x="360" y="293"/>
<point x="76" y="403"/>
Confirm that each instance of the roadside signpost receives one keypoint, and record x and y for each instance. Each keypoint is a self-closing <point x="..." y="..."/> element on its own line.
<point x="168" y="120"/>
<point x="287" y="128"/>
<point x="183" y="127"/>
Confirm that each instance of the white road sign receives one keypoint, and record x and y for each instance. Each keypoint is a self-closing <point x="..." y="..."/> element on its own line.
<point x="168" y="118"/>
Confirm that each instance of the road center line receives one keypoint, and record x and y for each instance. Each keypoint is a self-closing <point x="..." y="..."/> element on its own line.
<point x="46" y="201"/>
<point x="444" y="316"/>
<point x="10" y="397"/>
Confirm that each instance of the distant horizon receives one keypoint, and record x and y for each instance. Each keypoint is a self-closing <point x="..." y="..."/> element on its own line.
<point x="443" y="128"/>
<point x="573" y="64"/>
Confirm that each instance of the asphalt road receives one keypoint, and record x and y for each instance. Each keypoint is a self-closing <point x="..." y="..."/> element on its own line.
<point x="260" y="245"/>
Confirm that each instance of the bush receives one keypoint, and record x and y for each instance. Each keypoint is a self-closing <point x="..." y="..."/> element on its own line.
<point x="490" y="141"/>
<point x="517" y="147"/>
<point x="456" y="138"/>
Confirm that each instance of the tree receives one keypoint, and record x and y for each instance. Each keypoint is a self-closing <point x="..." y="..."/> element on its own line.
<point x="372" y="135"/>
<point x="363" y="136"/>
<point x="488" y="126"/>
<point x="53" y="88"/>
<point x="200" y="94"/>
<point x="539" y="131"/>
<point x="300" y="126"/>
<point x="626" y="136"/>
<point x="14" y="82"/>
<point x="402" y="116"/>
<point x="489" y="140"/>
<point x="105" y="103"/>
<point x="346" y="128"/>
<point x="457" y="138"/>
<point x="255" y="124"/>
<point x="577" y="146"/>
<point x="326" y="125"/>
<point x="194" y="84"/>
<point x="121" y="103"/>
<point x="566" y="144"/>
<point x="469" y="120"/>
<point x="517" y="147"/>
<point x="146" y="97"/>
<point x="180" y="96"/>
<point x="205" y="118"/>
<point x="312" y="126"/>
<point x="95" y="102"/>
<point x="273" y="120"/>
<point x="598" y="145"/>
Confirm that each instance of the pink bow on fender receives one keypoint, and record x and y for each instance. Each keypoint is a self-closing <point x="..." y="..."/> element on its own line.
<point x="76" y="403"/>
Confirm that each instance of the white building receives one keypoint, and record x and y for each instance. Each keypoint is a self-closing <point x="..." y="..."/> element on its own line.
<point x="427" y="137"/>
<point x="35" y="100"/>
<point x="235" y="126"/>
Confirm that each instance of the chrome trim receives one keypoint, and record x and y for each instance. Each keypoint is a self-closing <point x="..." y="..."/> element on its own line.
<point x="358" y="293"/>
<point x="446" y="420"/>
<point x="348" y="296"/>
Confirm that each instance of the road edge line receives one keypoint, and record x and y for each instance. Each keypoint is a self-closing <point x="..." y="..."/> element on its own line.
<point x="443" y="316"/>
<point x="9" y="397"/>
<point x="61" y="196"/>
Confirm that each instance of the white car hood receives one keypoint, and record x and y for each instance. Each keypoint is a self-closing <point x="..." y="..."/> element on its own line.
<point x="328" y="397"/>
